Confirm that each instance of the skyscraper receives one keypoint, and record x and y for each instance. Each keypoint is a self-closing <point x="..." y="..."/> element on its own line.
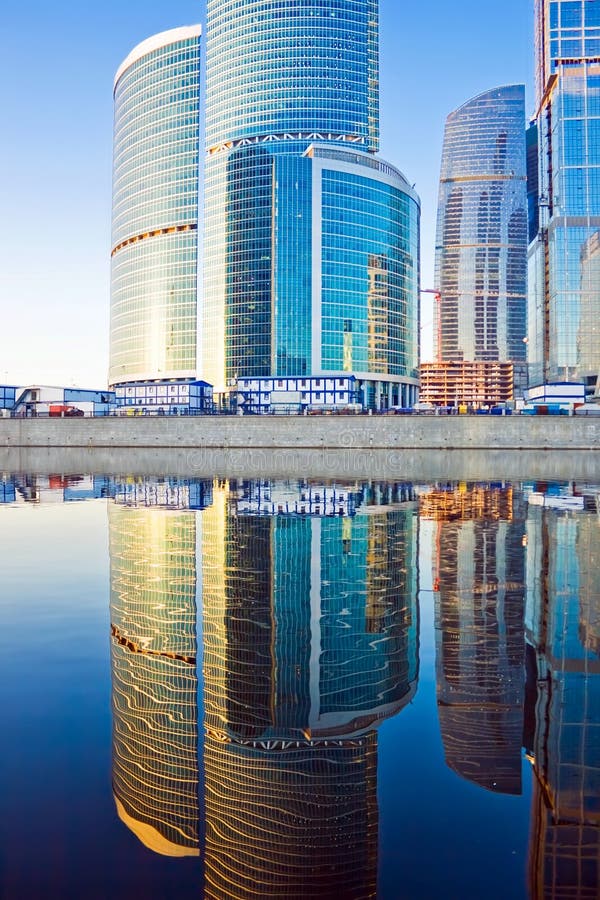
<point x="564" y="296"/>
<point x="311" y="241"/>
<point x="481" y="241"/>
<point x="154" y="258"/>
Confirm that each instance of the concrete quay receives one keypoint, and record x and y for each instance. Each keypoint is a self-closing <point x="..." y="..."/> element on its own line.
<point x="308" y="432"/>
<point x="361" y="447"/>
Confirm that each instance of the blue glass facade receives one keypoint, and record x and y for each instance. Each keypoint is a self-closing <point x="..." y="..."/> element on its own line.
<point x="276" y="67"/>
<point x="311" y="242"/>
<point x="154" y="259"/>
<point x="481" y="243"/>
<point x="8" y="396"/>
<point x="564" y="297"/>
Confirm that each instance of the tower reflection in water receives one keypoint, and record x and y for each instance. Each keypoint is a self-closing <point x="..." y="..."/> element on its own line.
<point x="310" y="630"/>
<point x="517" y="584"/>
<point x="153" y="575"/>
<point x="562" y="734"/>
<point x="310" y="633"/>
<point x="310" y="640"/>
<point x="479" y="577"/>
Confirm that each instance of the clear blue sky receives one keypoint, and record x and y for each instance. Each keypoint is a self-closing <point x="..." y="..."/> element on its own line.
<point x="56" y="73"/>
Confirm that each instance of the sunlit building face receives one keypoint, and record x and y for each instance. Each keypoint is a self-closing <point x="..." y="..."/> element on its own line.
<point x="154" y="258"/>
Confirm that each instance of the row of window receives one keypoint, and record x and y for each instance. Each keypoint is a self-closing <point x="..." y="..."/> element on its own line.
<point x="574" y="14"/>
<point x="173" y="60"/>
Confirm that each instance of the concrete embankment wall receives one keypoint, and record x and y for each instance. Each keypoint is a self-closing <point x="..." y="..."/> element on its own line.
<point x="309" y="432"/>
<point x="400" y="448"/>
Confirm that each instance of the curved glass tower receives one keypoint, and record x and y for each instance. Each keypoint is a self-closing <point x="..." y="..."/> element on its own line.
<point x="481" y="243"/>
<point x="311" y="242"/>
<point x="153" y="311"/>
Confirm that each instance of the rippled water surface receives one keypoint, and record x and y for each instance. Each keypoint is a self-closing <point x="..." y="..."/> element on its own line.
<point x="254" y="689"/>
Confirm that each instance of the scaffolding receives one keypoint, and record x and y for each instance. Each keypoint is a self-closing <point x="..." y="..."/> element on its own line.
<point x="473" y="384"/>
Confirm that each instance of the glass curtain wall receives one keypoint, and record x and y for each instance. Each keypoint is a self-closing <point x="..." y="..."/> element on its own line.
<point x="565" y="292"/>
<point x="289" y="281"/>
<point x="154" y="258"/>
<point x="481" y="243"/>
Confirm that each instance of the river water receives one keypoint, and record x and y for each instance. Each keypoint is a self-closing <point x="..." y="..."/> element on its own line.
<point x="299" y="688"/>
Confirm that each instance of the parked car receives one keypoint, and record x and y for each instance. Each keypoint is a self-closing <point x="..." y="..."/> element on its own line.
<point x="62" y="410"/>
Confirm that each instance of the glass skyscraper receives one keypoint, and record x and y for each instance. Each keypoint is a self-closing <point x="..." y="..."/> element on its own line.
<point x="311" y="241"/>
<point x="564" y="289"/>
<point x="481" y="242"/>
<point x="154" y="258"/>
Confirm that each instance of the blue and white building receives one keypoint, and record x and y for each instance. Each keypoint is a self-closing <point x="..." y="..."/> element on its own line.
<point x="293" y="395"/>
<point x="165" y="398"/>
<point x="47" y="400"/>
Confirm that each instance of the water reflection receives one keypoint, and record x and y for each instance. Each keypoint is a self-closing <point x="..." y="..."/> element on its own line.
<point x="261" y="633"/>
<point x="155" y="685"/>
<point x="563" y="667"/>
<point x="310" y="630"/>
<point x="479" y="577"/>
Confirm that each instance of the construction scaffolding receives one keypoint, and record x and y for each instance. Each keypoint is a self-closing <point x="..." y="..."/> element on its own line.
<point x="472" y="384"/>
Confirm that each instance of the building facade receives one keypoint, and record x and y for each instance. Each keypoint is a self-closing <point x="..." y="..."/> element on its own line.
<point x="311" y="263"/>
<point x="564" y="290"/>
<point x="481" y="240"/>
<point x="154" y="256"/>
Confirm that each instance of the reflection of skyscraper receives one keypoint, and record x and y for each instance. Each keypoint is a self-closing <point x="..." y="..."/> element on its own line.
<point x="296" y="820"/>
<point x="481" y="245"/>
<point x="563" y="609"/>
<point x="310" y="641"/>
<point x="479" y="632"/>
<point x="155" y="719"/>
